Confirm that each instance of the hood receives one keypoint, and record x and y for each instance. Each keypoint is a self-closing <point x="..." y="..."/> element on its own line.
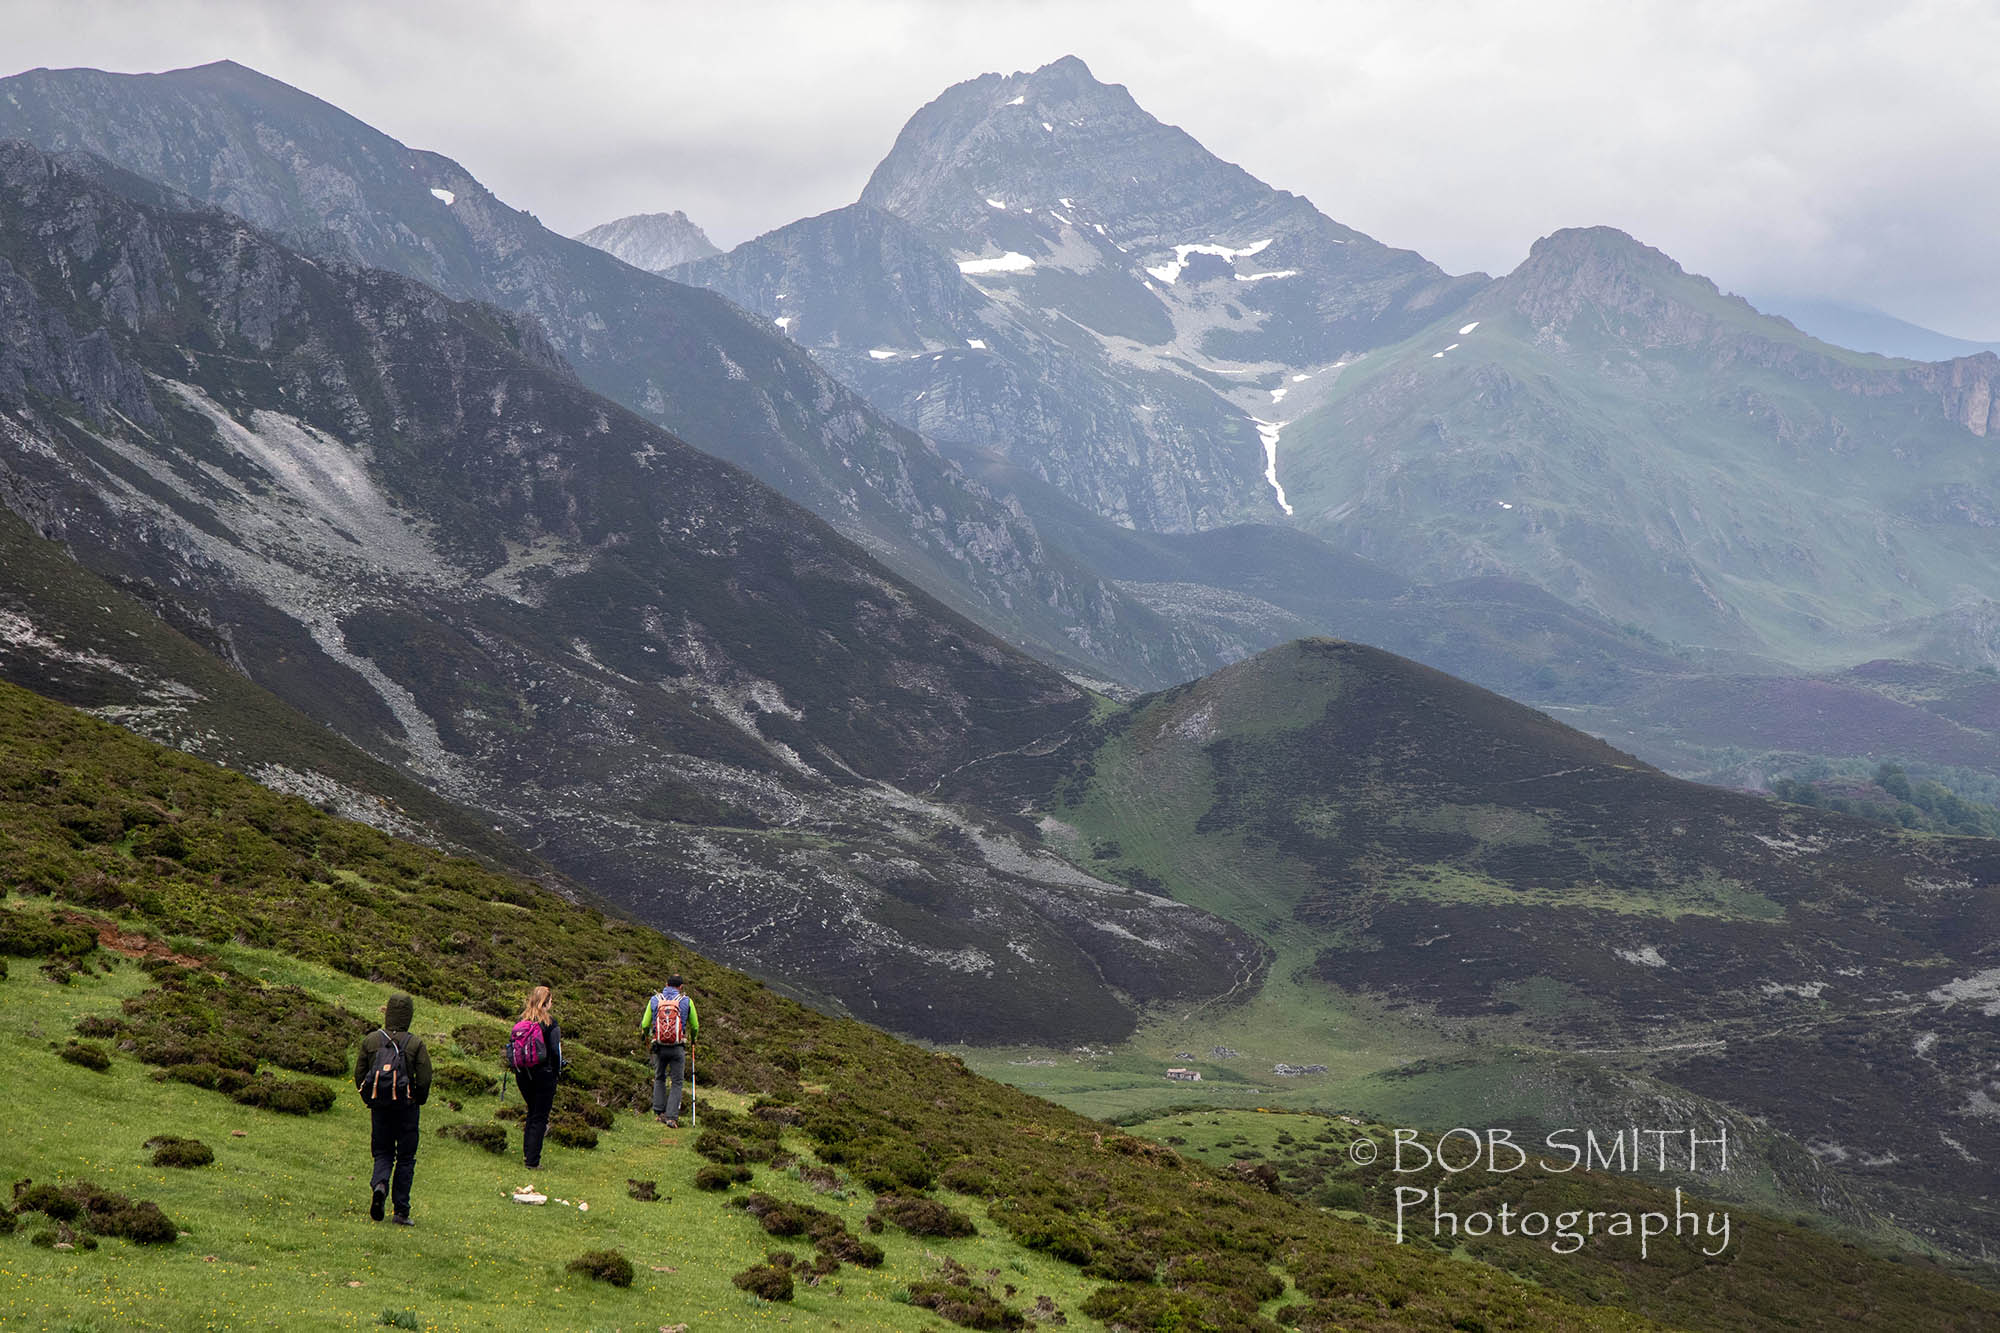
<point x="396" y="1015"/>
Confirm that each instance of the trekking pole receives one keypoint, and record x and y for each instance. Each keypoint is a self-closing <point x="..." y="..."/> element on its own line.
<point x="694" y="1107"/>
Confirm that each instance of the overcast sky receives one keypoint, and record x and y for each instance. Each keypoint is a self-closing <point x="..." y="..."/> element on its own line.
<point x="1844" y="151"/>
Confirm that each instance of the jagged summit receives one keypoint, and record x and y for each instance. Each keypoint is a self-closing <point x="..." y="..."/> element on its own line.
<point x="655" y="242"/>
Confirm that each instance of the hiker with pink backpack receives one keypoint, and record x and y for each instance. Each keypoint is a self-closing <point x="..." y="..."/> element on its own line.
<point x="670" y="1023"/>
<point x="534" y="1053"/>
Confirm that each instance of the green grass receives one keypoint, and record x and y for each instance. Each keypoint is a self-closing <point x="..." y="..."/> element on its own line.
<point x="239" y="878"/>
<point x="283" y="1211"/>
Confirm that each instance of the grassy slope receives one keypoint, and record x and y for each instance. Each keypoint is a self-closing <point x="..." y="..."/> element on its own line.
<point x="1779" y="1274"/>
<point x="283" y="1210"/>
<point x="211" y="864"/>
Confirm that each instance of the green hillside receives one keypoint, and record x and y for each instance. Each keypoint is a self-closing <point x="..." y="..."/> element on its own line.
<point x="1551" y="931"/>
<point x="215" y="947"/>
<point x="214" y="894"/>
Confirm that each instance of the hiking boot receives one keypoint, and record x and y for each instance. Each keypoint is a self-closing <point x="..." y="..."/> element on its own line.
<point x="662" y="1118"/>
<point x="672" y="1123"/>
<point x="403" y="1220"/>
<point x="375" y="1203"/>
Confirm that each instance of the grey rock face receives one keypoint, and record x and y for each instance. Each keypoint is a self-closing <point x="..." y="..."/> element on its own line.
<point x="654" y="242"/>
<point x="405" y="517"/>
<point x="687" y="359"/>
<point x="1129" y="308"/>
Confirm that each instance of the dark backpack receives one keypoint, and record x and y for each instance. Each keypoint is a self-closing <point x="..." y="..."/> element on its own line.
<point x="387" y="1083"/>
<point x="526" y="1048"/>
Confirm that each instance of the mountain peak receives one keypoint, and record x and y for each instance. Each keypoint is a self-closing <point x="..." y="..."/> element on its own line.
<point x="1605" y="269"/>
<point x="654" y="242"/>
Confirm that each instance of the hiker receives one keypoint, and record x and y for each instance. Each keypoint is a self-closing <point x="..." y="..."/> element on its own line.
<point x="534" y="1053"/>
<point x="393" y="1076"/>
<point x="670" y="1022"/>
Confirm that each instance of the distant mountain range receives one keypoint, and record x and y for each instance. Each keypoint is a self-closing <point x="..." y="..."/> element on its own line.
<point x="1867" y="330"/>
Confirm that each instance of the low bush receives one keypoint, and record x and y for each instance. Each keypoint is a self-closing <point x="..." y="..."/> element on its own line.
<point x="49" y="1200"/>
<point x="31" y="935"/>
<point x="50" y="1237"/>
<point x="480" y="1134"/>
<point x="766" y="1281"/>
<point x="965" y="1304"/>
<point x="87" y="1054"/>
<point x="289" y="1096"/>
<point x="570" y="1132"/>
<point x="168" y="1150"/>
<point x="463" y="1081"/>
<point x="924" y="1217"/>
<point x="829" y="1234"/>
<point x="645" y="1191"/>
<point x="603" y="1266"/>
<point x="715" y="1176"/>
<point x="97" y="1025"/>
<point x="97" y="1210"/>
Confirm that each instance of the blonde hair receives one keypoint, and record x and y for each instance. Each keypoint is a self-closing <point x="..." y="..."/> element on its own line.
<point x="539" y="1007"/>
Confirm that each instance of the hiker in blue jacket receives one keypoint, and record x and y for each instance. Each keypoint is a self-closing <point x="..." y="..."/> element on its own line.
<point x="669" y="1023"/>
<point x="393" y="1075"/>
<point x="534" y="1053"/>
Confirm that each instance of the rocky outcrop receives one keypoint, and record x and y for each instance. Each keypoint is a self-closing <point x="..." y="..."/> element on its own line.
<point x="655" y="242"/>
<point x="1965" y="388"/>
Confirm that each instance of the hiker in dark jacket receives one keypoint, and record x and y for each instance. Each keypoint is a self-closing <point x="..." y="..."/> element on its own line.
<point x="395" y="1083"/>
<point x="537" y="1081"/>
<point x="671" y="1037"/>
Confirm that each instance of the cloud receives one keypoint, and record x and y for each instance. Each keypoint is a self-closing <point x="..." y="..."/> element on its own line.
<point x="1830" y="149"/>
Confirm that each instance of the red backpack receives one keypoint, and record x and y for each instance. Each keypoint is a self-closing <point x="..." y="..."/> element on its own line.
<point x="669" y="1026"/>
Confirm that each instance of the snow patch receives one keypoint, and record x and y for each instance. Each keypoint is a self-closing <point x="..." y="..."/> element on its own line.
<point x="976" y="344"/>
<point x="1019" y="100"/>
<point x="1503" y="504"/>
<point x="445" y="197"/>
<point x="1169" y="273"/>
<point x="784" y="321"/>
<point x="996" y="203"/>
<point x="1050" y="128"/>
<point x="1468" y="328"/>
<point x="1268" y="431"/>
<point x="1011" y="262"/>
<point x="1278" y="395"/>
<point x="881" y="354"/>
<point x="1274" y="273"/>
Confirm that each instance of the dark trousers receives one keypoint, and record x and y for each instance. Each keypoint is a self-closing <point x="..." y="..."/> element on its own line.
<point x="392" y="1137"/>
<point x="669" y="1064"/>
<point x="538" y="1090"/>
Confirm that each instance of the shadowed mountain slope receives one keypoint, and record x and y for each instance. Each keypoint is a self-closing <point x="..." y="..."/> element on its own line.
<point x="331" y="186"/>
<point x="405" y="517"/>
